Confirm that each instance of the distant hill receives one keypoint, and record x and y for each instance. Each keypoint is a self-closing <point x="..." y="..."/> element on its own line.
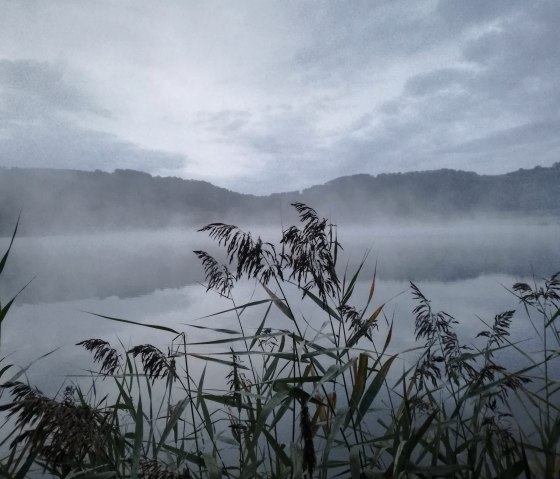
<point x="59" y="201"/>
<point x="442" y="194"/>
<point x="54" y="201"/>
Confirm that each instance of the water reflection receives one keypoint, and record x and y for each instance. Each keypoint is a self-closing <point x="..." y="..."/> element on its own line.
<point x="34" y="329"/>
<point x="137" y="263"/>
<point x="152" y="277"/>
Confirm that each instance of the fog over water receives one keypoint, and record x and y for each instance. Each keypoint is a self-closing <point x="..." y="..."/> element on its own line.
<point x="154" y="277"/>
<point x="130" y="264"/>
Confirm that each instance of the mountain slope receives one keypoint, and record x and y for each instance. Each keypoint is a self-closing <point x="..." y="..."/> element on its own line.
<point x="56" y="201"/>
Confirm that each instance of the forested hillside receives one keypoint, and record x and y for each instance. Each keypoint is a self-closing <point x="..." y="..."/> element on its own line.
<point x="54" y="201"/>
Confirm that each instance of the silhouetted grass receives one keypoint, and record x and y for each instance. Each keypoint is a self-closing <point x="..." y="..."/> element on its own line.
<point x="297" y="402"/>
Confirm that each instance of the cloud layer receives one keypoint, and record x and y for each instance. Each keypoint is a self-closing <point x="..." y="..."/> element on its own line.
<point x="274" y="96"/>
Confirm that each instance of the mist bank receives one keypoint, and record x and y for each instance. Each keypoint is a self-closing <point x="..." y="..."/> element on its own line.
<point x="132" y="264"/>
<point x="67" y="201"/>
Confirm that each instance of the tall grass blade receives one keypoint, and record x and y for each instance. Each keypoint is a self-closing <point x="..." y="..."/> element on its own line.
<point x="216" y="360"/>
<point x="278" y="449"/>
<point x="373" y="389"/>
<point x="91" y="473"/>
<point x="360" y="379"/>
<point x="23" y="370"/>
<point x="350" y="288"/>
<point x="339" y="418"/>
<point x="372" y="287"/>
<point x="280" y="304"/>
<point x="322" y="304"/>
<point x="138" y="439"/>
<point x="237" y="308"/>
<point x="232" y="340"/>
<point x="354" y="459"/>
<point x="182" y="454"/>
<point x="171" y="422"/>
<point x="25" y="467"/>
<point x="212" y="467"/>
<point x="267" y="409"/>
<point x="333" y="372"/>
<point x="261" y="327"/>
<point x="216" y="330"/>
<point x="208" y="424"/>
<point x="553" y="318"/>
<point x="8" y="305"/>
<point x="7" y="253"/>
<point x="128" y="321"/>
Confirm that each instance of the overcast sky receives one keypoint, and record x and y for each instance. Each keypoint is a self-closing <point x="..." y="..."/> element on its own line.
<point x="262" y="96"/>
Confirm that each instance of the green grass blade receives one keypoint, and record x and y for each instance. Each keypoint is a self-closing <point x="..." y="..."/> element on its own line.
<point x="235" y="339"/>
<point x="277" y="448"/>
<point x="261" y="327"/>
<point x="237" y="308"/>
<point x="225" y="400"/>
<point x="216" y="360"/>
<point x="91" y="473"/>
<point x="553" y="318"/>
<point x="171" y="422"/>
<point x="24" y="370"/>
<point x="373" y="389"/>
<point x="138" y="439"/>
<point x="350" y="289"/>
<point x="333" y="372"/>
<point x="182" y="454"/>
<point x="209" y="426"/>
<point x="334" y="428"/>
<point x="7" y="253"/>
<point x="322" y="304"/>
<point x="354" y="459"/>
<point x="280" y="304"/>
<point x="8" y="305"/>
<point x="274" y="402"/>
<point x="216" y="330"/>
<point x="128" y="321"/>
<point x="360" y="380"/>
<point x="24" y="469"/>
<point x="372" y="287"/>
<point x="4" y="369"/>
<point x="214" y="471"/>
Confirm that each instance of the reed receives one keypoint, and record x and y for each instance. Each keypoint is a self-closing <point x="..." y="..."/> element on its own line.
<point x="297" y="401"/>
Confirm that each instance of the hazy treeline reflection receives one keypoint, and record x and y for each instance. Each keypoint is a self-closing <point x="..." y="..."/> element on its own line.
<point x="135" y="263"/>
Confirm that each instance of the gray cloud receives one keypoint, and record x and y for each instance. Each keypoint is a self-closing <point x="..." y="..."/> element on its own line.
<point x="224" y="122"/>
<point x="541" y="134"/>
<point x="37" y="132"/>
<point x="62" y="145"/>
<point x="438" y="81"/>
<point x="498" y="111"/>
<point x="459" y="15"/>
<point x="36" y="89"/>
<point x="493" y="108"/>
<point x="346" y="46"/>
<point x="351" y="44"/>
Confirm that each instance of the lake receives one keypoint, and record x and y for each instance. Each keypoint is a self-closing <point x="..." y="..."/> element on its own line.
<point x="153" y="277"/>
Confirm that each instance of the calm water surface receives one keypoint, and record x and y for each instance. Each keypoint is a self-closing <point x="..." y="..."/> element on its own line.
<point x="152" y="277"/>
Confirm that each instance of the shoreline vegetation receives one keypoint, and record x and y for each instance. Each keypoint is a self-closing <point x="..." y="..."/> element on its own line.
<point x="299" y="401"/>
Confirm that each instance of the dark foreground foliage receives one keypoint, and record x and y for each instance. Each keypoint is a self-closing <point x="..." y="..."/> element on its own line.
<point x="300" y="400"/>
